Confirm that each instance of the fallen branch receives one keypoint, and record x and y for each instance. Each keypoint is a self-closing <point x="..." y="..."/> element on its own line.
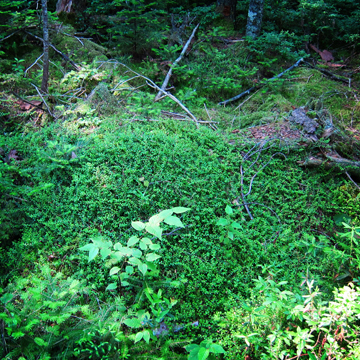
<point x="47" y="107"/>
<point x="168" y="75"/>
<point x="332" y="162"/>
<point x="33" y="64"/>
<point x="28" y="102"/>
<point x="65" y="57"/>
<point x="328" y="73"/>
<point x="347" y="174"/>
<point x="237" y="97"/>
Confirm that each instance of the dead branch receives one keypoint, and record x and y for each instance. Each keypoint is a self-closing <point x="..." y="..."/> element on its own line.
<point x="33" y="64"/>
<point x="168" y="75"/>
<point x="239" y="106"/>
<point x="328" y="73"/>
<point x="47" y="107"/>
<point x="237" y="97"/>
<point x="28" y="102"/>
<point x="65" y="57"/>
<point x="347" y="174"/>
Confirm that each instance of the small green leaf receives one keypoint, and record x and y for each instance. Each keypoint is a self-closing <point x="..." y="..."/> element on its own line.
<point x="40" y="341"/>
<point x="191" y="347"/>
<point x="132" y="241"/>
<point x="137" y="253"/>
<point x="135" y="261"/>
<point x="154" y="246"/>
<point x="93" y="252"/>
<point x="222" y="222"/>
<point x="142" y="245"/>
<point x="105" y="252"/>
<point x="114" y="270"/>
<point x="203" y="353"/>
<point x="138" y="225"/>
<point x="133" y="323"/>
<point x="111" y="286"/>
<point x="146" y="183"/>
<point x="164" y="214"/>
<point x="143" y="268"/>
<point x="216" y="349"/>
<point x="146" y="335"/>
<point x="129" y="270"/>
<point x="180" y="210"/>
<point x="152" y="257"/>
<point x="236" y="225"/>
<point x="173" y="220"/>
<point x="154" y="230"/>
<point x="86" y="247"/>
<point x="138" y="336"/>
<point x="228" y="210"/>
<point x="230" y="235"/>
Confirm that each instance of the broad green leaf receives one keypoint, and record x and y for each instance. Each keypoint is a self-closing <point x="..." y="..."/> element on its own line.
<point x="132" y="241"/>
<point x="230" y="235"/>
<point x="133" y="323"/>
<point x="146" y="183"/>
<point x="151" y="266"/>
<point x="146" y="335"/>
<point x="154" y="230"/>
<point x="135" y="261"/>
<point x="216" y="349"/>
<point x="117" y="255"/>
<point x="164" y="214"/>
<point x="138" y="225"/>
<point x="118" y="246"/>
<point x="138" y="336"/>
<point x="129" y="270"/>
<point x="143" y="268"/>
<point x="203" y="353"/>
<point x="114" y="270"/>
<point x="154" y="246"/>
<point x="228" y="210"/>
<point x="173" y="220"/>
<point x="125" y="283"/>
<point x="137" y="253"/>
<point x="146" y="241"/>
<point x="154" y="220"/>
<point x="180" y="210"/>
<point x="152" y="257"/>
<point x="111" y="286"/>
<point x="142" y="245"/>
<point x="93" y="252"/>
<point x="222" y="222"/>
<point x="191" y="347"/>
<point x="236" y="225"/>
<point x="40" y="341"/>
<point x="86" y="247"/>
<point x="105" y="252"/>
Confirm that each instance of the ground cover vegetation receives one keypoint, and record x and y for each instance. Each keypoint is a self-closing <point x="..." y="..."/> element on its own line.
<point x="147" y="214"/>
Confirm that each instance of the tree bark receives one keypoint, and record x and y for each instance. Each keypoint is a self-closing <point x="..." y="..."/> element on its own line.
<point x="45" y="78"/>
<point x="254" y="20"/>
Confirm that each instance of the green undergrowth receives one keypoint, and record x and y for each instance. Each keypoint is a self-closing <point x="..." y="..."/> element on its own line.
<point x="67" y="188"/>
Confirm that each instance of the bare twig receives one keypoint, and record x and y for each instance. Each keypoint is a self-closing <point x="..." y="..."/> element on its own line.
<point x="28" y="102"/>
<point x="38" y="91"/>
<point x="77" y="38"/>
<point x="207" y="112"/>
<point x="13" y="33"/>
<point x="65" y="57"/>
<point x="237" y="97"/>
<point x="168" y="75"/>
<point x="123" y="82"/>
<point x="33" y="64"/>
<point x="352" y="180"/>
<point x="239" y="106"/>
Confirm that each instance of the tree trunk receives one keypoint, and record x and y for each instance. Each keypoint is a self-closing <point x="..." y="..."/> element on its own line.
<point x="255" y="15"/>
<point x="63" y="5"/>
<point x="45" y="78"/>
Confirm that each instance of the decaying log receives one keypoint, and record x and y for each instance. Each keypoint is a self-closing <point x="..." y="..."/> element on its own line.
<point x="333" y="162"/>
